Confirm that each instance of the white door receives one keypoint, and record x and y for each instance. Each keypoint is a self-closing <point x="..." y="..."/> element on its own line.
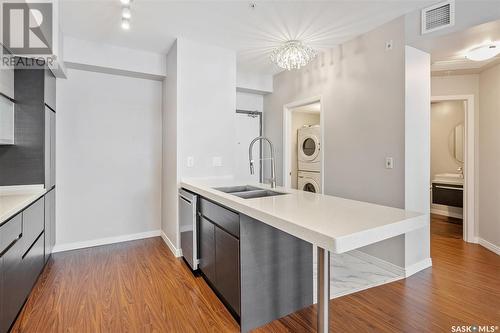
<point x="247" y="129"/>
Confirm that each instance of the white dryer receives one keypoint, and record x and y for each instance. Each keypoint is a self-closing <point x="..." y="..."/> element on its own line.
<point x="309" y="146"/>
<point x="309" y="181"/>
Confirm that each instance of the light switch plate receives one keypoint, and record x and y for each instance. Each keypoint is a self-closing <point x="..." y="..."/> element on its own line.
<point x="190" y="162"/>
<point x="217" y="161"/>
<point x="389" y="163"/>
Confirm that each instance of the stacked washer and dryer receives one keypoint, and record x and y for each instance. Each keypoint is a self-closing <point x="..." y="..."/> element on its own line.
<point x="309" y="159"/>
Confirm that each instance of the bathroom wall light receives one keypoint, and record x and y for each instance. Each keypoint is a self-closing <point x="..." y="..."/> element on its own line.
<point x="484" y="52"/>
<point x="125" y="2"/>
<point x="125" y="24"/>
<point x="126" y="13"/>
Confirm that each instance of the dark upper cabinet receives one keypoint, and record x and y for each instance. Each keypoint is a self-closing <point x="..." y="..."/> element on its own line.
<point x="207" y="249"/>
<point x="50" y="89"/>
<point x="50" y="221"/>
<point x="227" y="268"/>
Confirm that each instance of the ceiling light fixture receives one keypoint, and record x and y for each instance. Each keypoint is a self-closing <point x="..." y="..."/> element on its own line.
<point x="125" y="24"/>
<point x="293" y="54"/>
<point x="484" y="52"/>
<point x="125" y="2"/>
<point x="126" y="13"/>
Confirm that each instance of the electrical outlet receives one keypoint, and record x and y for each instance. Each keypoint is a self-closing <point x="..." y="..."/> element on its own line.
<point x="190" y="162"/>
<point x="389" y="163"/>
<point x="217" y="161"/>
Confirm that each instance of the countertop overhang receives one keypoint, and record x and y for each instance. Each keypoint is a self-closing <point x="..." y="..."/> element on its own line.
<point x="333" y="223"/>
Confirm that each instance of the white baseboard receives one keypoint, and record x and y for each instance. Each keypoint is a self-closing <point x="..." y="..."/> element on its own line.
<point x="379" y="262"/>
<point x="490" y="246"/>
<point x="105" y="241"/>
<point x="417" y="267"/>
<point x="405" y="272"/>
<point x="443" y="212"/>
<point x="176" y="252"/>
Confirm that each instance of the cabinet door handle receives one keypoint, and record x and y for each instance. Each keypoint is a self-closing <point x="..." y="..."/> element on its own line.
<point x="10" y="245"/>
<point x="450" y="188"/>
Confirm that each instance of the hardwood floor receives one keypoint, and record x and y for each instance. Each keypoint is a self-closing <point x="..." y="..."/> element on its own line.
<point x="139" y="286"/>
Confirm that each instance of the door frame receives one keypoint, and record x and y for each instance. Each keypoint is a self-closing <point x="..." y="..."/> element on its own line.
<point x="287" y="124"/>
<point x="469" y="209"/>
<point x="261" y="123"/>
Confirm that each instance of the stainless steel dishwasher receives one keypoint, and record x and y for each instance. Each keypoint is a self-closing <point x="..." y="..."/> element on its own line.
<point x="188" y="227"/>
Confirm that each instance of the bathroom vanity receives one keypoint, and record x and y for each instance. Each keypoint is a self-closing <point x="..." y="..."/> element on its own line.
<point x="448" y="190"/>
<point x="255" y="244"/>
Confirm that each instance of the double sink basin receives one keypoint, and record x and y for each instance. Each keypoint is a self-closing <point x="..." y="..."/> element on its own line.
<point x="248" y="192"/>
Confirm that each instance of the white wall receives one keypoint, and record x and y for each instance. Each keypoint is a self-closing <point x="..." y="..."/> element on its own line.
<point x="417" y="153"/>
<point x="254" y="82"/>
<point x="249" y="101"/>
<point x="364" y="119"/>
<point x="98" y="56"/>
<point x="170" y="148"/>
<point x="206" y="107"/>
<point x="108" y="157"/>
<point x="199" y="121"/>
<point x="489" y="153"/>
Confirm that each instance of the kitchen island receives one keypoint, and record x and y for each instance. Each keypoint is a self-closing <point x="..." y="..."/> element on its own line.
<point x="335" y="225"/>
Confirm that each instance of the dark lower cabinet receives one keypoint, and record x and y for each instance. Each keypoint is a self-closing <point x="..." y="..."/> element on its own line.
<point x="227" y="268"/>
<point x="22" y="258"/>
<point x="448" y="195"/>
<point x="12" y="293"/>
<point x="207" y="249"/>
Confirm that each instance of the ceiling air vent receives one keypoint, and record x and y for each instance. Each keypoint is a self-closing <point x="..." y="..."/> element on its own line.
<point x="438" y="16"/>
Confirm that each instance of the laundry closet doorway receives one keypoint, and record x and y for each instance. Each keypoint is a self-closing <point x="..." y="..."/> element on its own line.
<point x="303" y="145"/>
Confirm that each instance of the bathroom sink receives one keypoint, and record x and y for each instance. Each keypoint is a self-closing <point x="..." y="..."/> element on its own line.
<point x="449" y="177"/>
<point x="248" y="192"/>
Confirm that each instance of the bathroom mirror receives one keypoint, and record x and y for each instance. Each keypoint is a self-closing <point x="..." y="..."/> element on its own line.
<point x="457" y="137"/>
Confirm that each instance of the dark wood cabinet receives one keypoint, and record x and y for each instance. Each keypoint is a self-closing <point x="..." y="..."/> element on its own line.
<point x="227" y="268"/>
<point x="207" y="249"/>
<point x="448" y="195"/>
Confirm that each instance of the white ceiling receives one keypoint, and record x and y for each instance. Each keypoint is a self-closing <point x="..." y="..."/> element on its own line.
<point x="252" y="33"/>
<point x="448" y="51"/>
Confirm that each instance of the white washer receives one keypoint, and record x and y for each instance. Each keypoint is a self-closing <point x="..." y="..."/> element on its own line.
<point x="309" y="181"/>
<point x="309" y="145"/>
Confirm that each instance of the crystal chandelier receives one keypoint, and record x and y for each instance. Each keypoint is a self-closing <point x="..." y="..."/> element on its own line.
<point x="292" y="55"/>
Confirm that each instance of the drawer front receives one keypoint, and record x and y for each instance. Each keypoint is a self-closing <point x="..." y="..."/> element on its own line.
<point x="448" y="195"/>
<point x="13" y="294"/>
<point x="32" y="264"/>
<point x="10" y="232"/>
<point x="223" y="217"/>
<point x="207" y="249"/>
<point x="33" y="222"/>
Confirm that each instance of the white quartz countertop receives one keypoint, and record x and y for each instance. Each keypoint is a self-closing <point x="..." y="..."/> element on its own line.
<point x="336" y="224"/>
<point x="14" y="199"/>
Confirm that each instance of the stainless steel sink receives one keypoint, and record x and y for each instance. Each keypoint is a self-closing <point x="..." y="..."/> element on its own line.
<point x="248" y="192"/>
<point x="234" y="189"/>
